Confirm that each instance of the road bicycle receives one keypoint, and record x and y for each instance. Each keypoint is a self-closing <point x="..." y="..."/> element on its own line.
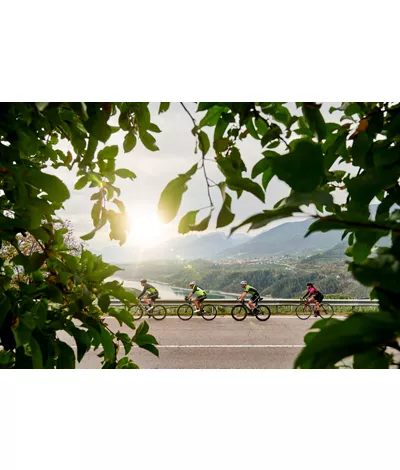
<point x="185" y="311"/>
<point x="306" y="308"/>
<point x="240" y="312"/>
<point x="159" y="312"/>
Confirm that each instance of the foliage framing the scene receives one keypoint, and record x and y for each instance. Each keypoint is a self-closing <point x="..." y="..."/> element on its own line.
<point x="57" y="288"/>
<point x="367" y="138"/>
<point x="65" y="292"/>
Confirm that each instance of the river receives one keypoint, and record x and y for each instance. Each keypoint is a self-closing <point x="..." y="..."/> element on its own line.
<point x="170" y="292"/>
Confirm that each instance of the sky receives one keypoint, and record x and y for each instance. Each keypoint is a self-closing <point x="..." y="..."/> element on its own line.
<point x="155" y="169"/>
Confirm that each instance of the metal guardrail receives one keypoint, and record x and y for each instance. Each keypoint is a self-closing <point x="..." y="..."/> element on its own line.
<point x="270" y="302"/>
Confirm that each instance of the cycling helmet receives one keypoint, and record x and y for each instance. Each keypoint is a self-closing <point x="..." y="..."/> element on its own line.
<point x="243" y="283"/>
<point x="143" y="280"/>
<point x="192" y="283"/>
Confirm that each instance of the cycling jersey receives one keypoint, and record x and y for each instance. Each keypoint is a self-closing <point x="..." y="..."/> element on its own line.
<point x="198" y="291"/>
<point x="251" y="290"/>
<point x="148" y="288"/>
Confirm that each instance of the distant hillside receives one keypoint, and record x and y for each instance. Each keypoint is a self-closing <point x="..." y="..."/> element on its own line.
<point x="195" y="246"/>
<point x="286" y="238"/>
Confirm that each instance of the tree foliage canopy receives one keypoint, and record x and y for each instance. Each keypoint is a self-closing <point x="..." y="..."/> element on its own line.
<point x="71" y="293"/>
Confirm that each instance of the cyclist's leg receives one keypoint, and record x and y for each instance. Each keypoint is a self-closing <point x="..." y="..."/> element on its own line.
<point x="146" y="300"/>
<point x="252" y="301"/>
<point x="196" y="303"/>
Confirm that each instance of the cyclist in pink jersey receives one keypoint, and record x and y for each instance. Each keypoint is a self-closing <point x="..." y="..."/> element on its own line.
<point x="315" y="296"/>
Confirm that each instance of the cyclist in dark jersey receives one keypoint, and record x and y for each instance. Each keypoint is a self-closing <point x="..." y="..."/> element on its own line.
<point x="152" y="294"/>
<point x="199" y="295"/>
<point x="255" y="296"/>
<point x="315" y="296"/>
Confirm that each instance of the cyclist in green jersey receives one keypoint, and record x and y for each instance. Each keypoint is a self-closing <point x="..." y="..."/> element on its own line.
<point x="255" y="296"/>
<point x="152" y="294"/>
<point x="199" y="295"/>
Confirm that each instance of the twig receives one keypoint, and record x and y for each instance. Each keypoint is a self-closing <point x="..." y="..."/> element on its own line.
<point x="191" y="117"/>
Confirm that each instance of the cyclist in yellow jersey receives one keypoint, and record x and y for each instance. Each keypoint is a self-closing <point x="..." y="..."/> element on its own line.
<point x="199" y="295"/>
<point x="152" y="294"/>
<point x="255" y="296"/>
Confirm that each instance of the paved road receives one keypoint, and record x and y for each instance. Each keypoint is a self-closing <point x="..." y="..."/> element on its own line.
<point x="220" y="344"/>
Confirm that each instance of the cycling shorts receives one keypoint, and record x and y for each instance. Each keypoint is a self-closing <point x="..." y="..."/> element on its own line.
<point x="319" y="297"/>
<point x="200" y="298"/>
<point x="255" y="297"/>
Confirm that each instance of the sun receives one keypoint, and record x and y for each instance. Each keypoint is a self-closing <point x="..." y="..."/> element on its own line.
<point x="146" y="229"/>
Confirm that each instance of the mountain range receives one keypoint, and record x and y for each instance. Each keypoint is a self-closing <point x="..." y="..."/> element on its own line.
<point x="287" y="238"/>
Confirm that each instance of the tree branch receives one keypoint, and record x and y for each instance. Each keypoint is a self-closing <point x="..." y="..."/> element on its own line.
<point x="191" y="117"/>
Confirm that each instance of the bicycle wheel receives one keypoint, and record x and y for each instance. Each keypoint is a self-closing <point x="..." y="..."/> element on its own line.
<point x="304" y="311"/>
<point x="185" y="312"/>
<point x="239" y="312"/>
<point x="209" y="312"/>
<point x="263" y="313"/>
<point x="137" y="312"/>
<point x="326" y="310"/>
<point x="159" y="312"/>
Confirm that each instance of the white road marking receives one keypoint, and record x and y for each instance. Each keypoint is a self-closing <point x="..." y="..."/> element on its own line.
<point x="179" y="346"/>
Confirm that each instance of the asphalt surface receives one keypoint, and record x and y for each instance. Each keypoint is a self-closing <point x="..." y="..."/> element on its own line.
<point x="219" y="344"/>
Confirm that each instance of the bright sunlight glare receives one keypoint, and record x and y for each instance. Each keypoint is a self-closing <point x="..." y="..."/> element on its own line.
<point x="146" y="230"/>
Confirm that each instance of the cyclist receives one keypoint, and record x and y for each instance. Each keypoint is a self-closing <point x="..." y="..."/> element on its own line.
<point x="152" y="294"/>
<point x="199" y="295"/>
<point x="255" y="296"/>
<point x="315" y="296"/>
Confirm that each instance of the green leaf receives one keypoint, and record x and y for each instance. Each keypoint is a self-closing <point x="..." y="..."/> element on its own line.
<point x="82" y="340"/>
<point x="37" y="360"/>
<point x="252" y="130"/>
<point x="104" y="302"/>
<point x="154" y="128"/>
<point x="360" y="148"/>
<point x="125" y="173"/>
<point x="337" y="340"/>
<point x="205" y="106"/>
<point x="50" y="184"/>
<point x="123" y="121"/>
<point x="66" y="356"/>
<point x="148" y="141"/>
<point x="41" y="106"/>
<point x="212" y="116"/>
<point x="204" y="142"/>
<point x="143" y="339"/>
<point x="225" y="216"/>
<point x="201" y="226"/>
<point x="108" y="345"/>
<point x="108" y="153"/>
<point x="266" y="177"/>
<point x="264" y="218"/>
<point x="89" y="235"/>
<point x="123" y="316"/>
<point x="221" y="145"/>
<point x="186" y="221"/>
<point x="82" y="182"/>
<point x="302" y="169"/>
<point x="129" y="142"/>
<point x="125" y="340"/>
<point x="245" y="184"/>
<point x="171" y="197"/>
<point x="374" y="358"/>
<point x="163" y="108"/>
<point x="264" y="164"/>
<point x="314" y="119"/>
<point x="126" y="363"/>
<point x="96" y="211"/>
<point x="353" y="108"/>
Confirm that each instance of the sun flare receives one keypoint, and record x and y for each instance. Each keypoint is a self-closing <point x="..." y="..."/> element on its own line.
<point x="146" y="229"/>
